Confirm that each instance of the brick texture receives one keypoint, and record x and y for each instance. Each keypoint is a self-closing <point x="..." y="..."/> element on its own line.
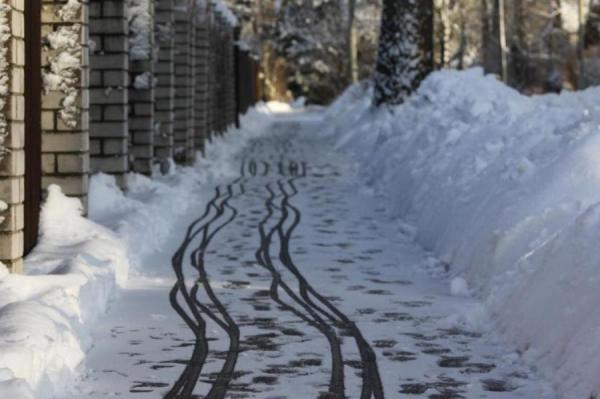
<point x="64" y="141"/>
<point x="183" y="80"/>
<point x="12" y="188"/>
<point x="109" y="94"/>
<point x="141" y="109"/>
<point x="164" y="75"/>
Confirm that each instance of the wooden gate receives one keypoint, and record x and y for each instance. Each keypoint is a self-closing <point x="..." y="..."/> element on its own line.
<point x="33" y="131"/>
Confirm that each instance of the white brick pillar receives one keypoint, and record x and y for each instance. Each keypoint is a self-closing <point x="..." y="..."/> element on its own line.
<point x="65" y="102"/>
<point x="229" y="72"/>
<point x="109" y="64"/>
<point x="183" y="101"/>
<point x="190" y="147"/>
<point x="202" y="78"/>
<point x="212" y="103"/>
<point x="141" y="91"/>
<point x="164" y="73"/>
<point x="12" y="163"/>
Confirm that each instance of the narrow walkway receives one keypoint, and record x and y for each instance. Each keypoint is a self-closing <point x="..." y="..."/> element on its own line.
<point x="289" y="284"/>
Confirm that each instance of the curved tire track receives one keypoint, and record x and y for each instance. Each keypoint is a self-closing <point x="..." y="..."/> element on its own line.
<point x="263" y="257"/>
<point x="372" y="385"/>
<point x="204" y="227"/>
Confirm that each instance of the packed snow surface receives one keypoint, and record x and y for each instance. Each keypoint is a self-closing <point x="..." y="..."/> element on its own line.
<point x="505" y="189"/>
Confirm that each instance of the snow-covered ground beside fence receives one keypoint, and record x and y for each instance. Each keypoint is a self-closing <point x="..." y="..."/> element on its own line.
<point x="74" y="273"/>
<point x="505" y="189"/>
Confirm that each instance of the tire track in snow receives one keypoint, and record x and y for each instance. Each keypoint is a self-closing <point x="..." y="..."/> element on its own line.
<point x="264" y="259"/>
<point x="185" y="384"/>
<point x="372" y="386"/>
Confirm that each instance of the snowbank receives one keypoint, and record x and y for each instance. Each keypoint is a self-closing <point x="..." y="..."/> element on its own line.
<point x="72" y="273"/>
<point x="506" y="190"/>
<point x="78" y="265"/>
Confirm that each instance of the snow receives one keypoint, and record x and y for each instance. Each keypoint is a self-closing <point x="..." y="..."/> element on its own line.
<point x="144" y="81"/>
<point x="221" y="8"/>
<point x="46" y="315"/>
<point x="346" y="247"/>
<point x="505" y="190"/>
<point x="459" y="287"/>
<point x="70" y="277"/>
<point x="139" y="17"/>
<point x="64" y="62"/>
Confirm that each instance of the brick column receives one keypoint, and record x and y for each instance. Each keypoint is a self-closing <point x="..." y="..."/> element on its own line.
<point x="201" y="97"/>
<point x="65" y="102"/>
<point x="182" y="80"/>
<point x="12" y="163"/>
<point x="213" y="106"/>
<point x="220" y="53"/>
<point x="141" y="94"/>
<point x="164" y="70"/>
<point x="190" y="147"/>
<point x="229" y="78"/>
<point x="109" y="64"/>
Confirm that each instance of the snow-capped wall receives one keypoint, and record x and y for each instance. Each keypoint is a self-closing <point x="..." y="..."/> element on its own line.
<point x="506" y="190"/>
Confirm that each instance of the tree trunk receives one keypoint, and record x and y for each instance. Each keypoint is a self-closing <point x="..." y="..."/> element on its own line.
<point x="352" y="67"/>
<point x="490" y="40"/>
<point x="405" y="54"/>
<point x="502" y="39"/>
<point x="580" y="44"/>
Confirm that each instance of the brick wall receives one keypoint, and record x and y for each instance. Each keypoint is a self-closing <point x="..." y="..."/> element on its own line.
<point x="96" y="107"/>
<point x="65" y="111"/>
<point x="12" y="170"/>
<point x="109" y="79"/>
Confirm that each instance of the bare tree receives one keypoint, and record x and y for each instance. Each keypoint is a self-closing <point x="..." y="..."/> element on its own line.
<point x="405" y="55"/>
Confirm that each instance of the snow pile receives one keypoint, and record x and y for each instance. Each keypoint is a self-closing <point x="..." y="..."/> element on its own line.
<point x="43" y="315"/>
<point x="506" y="190"/>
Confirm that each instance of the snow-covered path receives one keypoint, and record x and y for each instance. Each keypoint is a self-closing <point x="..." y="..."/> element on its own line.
<point x="292" y="284"/>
